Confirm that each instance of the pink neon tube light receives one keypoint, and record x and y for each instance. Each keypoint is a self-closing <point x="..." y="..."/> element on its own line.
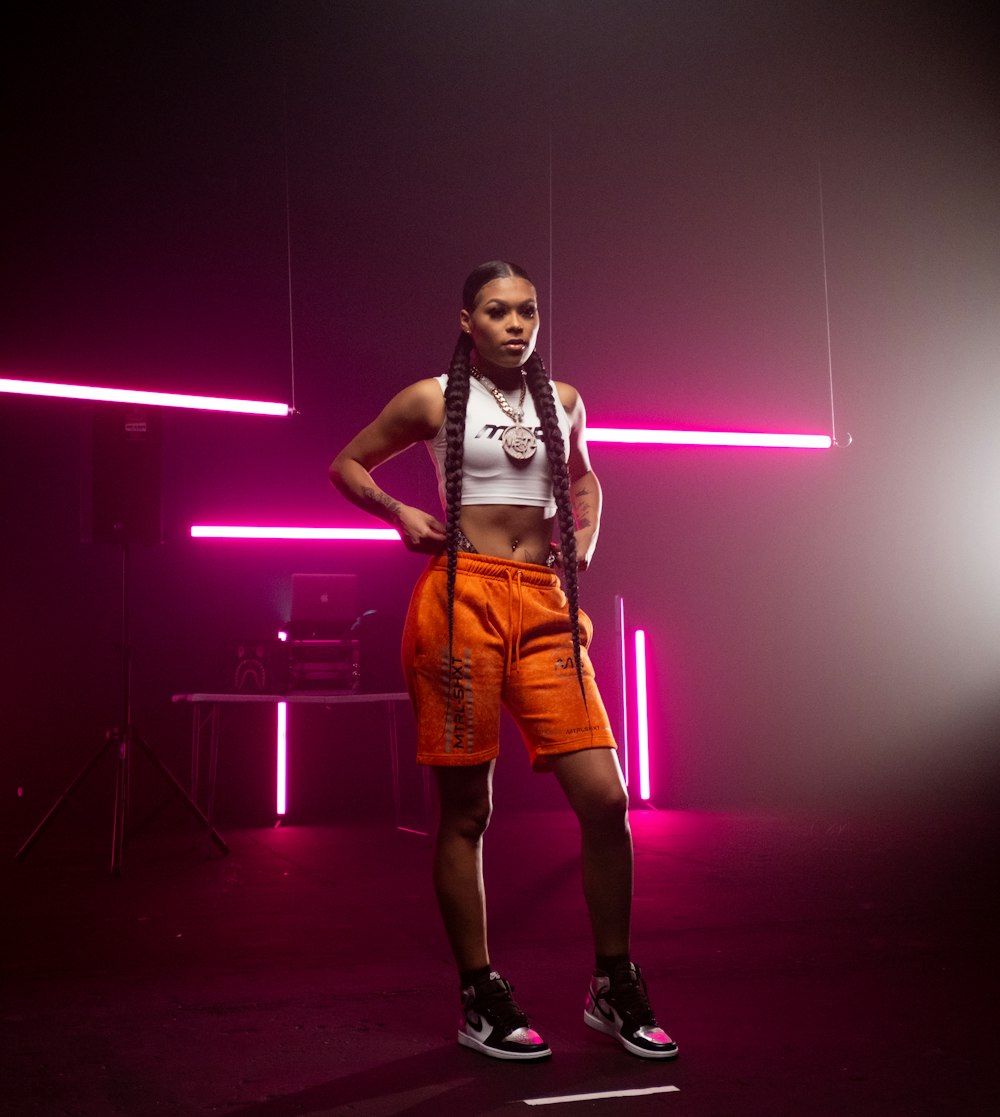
<point x="281" y="782"/>
<point x="226" y="531"/>
<point x="143" y="398"/>
<point x="709" y="438"/>
<point x="642" y="713"/>
<point x="262" y="407"/>
<point x="623" y="683"/>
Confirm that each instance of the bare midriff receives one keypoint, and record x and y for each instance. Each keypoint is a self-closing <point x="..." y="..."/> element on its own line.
<point x="508" y="531"/>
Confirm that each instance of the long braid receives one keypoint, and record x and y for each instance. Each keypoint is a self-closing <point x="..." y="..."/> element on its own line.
<point x="456" y="397"/>
<point x="540" y="387"/>
<point x="456" y="400"/>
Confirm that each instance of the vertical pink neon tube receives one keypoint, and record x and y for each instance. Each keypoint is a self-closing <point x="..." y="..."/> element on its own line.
<point x="282" y="759"/>
<point x="623" y="685"/>
<point x="642" y="713"/>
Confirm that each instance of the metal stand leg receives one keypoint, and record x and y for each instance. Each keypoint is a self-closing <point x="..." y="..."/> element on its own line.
<point x="396" y="788"/>
<point x="74" y="784"/>
<point x="123" y="744"/>
<point x="179" y="788"/>
<point x="121" y="738"/>
<point x="213" y="761"/>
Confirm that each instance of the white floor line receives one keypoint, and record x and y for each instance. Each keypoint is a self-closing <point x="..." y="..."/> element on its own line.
<point x="603" y="1094"/>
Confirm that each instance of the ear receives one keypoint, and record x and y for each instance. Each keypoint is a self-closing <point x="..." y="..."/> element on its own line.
<point x="465" y="321"/>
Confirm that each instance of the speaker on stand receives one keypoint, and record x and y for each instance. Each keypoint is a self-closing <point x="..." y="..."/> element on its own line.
<point x="120" y="506"/>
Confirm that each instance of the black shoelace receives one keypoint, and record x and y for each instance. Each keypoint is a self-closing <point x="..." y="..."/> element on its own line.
<point x="629" y="996"/>
<point x="493" y="1000"/>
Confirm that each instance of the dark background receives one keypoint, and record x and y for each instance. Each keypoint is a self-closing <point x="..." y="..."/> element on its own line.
<point x="823" y="627"/>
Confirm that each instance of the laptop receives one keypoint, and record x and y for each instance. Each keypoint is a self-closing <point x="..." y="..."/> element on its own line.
<point x="323" y="601"/>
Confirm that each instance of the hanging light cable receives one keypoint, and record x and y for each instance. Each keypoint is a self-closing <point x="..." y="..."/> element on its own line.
<point x="288" y="225"/>
<point x="826" y="303"/>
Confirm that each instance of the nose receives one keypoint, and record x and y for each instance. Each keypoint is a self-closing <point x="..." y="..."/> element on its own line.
<point x="515" y="325"/>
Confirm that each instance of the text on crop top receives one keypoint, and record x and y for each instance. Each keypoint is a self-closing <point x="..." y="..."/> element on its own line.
<point x="489" y="475"/>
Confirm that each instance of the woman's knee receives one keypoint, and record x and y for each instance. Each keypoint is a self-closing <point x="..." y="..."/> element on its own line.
<point x="468" y="820"/>
<point x="594" y="787"/>
<point x="605" y="807"/>
<point x="466" y="802"/>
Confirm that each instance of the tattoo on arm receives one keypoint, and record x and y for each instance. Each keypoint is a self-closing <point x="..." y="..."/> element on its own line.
<point x="582" y="507"/>
<point x="376" y="496"/>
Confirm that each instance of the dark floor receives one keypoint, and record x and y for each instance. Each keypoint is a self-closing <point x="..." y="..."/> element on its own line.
<point x="807" y="965"/>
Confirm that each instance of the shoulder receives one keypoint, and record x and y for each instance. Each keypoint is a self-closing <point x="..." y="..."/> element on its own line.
<point x="426" y="391"/>
<point x="570" y="399"/>
<point x="422" y="395"/>
<point x="568" y="396"/>
<point x="419" y="405"/>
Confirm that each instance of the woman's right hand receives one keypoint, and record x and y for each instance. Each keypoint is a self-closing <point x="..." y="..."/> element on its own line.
<point x="420" y="532"/>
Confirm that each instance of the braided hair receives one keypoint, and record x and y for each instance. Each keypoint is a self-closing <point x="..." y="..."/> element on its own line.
<point x="456" y="398"/>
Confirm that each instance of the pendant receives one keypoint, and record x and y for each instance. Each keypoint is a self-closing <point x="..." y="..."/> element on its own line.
<point x="519" y="442"/>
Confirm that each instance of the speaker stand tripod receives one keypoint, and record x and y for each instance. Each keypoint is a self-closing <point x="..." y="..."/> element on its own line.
<point x="122" y="739"/>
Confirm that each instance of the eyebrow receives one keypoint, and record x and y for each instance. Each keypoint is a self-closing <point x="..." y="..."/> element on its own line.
<point x="501" y="302"/>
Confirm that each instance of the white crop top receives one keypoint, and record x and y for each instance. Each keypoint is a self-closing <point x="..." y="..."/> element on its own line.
<point x="489" y="476"/>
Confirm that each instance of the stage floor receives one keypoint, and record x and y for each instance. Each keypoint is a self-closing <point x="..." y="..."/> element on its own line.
<point x="807" y="965"/>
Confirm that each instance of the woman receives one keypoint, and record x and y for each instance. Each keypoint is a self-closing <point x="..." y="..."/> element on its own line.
<point x="489" y="625"/>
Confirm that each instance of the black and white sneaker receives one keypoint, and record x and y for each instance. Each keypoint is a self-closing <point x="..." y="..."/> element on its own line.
<point x="493" y="1024"/>
<point x="619" y="1006"/>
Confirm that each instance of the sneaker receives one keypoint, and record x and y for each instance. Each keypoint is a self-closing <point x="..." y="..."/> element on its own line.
<point x="493" y="1024"/>
<point x="619" y="1007"/>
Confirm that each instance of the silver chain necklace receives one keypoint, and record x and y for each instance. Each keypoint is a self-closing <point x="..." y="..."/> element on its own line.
<point x="519" y="442"/>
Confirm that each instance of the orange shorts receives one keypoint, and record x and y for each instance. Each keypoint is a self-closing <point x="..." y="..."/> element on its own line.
<point x="512" y="647"/>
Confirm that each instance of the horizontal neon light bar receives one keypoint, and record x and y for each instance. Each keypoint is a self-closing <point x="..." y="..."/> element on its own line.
<point x="225" y="531"/>
<point x="709" y="438"/>
<point x="637" y="436"/>
<point x="145" y="399"/>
